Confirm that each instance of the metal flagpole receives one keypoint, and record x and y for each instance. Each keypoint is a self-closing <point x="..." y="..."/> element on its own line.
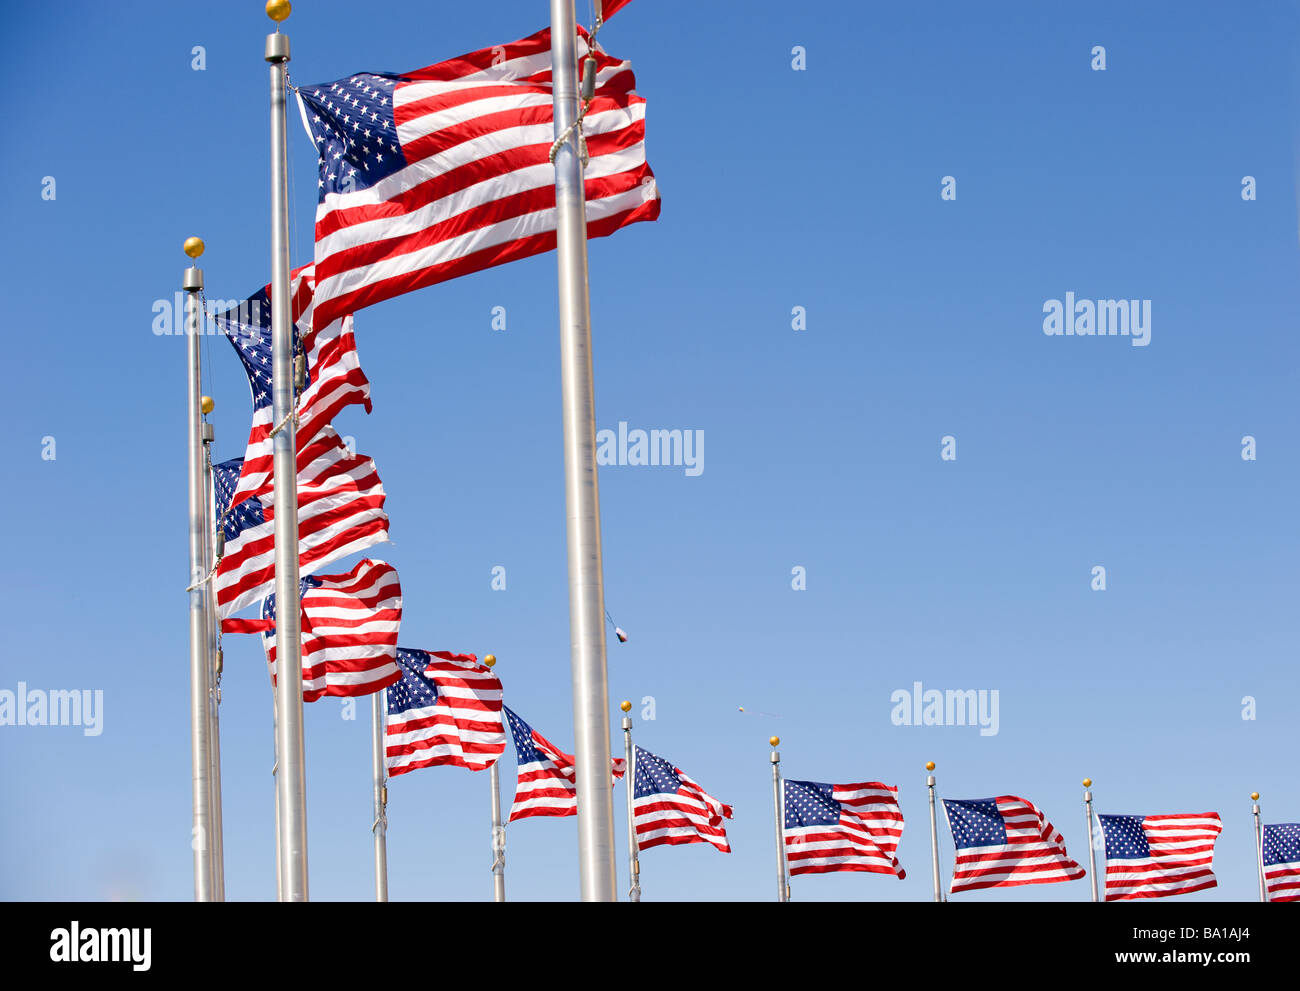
<point x="629" y="779"/>
<point x="934" y="834"/>
<point x="498" y="830"/>
<point x="1092" y="850"/>
<point x="582" y="499"/>
<point x="291" y="780"/>
<point x="275" y="784"/>
<point x="778" y="816"/>
<point x="214" y="652"/>
<point x="379" y="721"/>
<point x="1259" y="847"/>
<point x="200" y="621"/>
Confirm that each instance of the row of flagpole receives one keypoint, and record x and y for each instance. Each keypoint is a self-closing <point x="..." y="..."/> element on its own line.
<point x="587" y="611"/>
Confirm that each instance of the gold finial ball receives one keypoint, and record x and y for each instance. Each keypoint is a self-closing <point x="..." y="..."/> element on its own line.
<point x="207" y="405"/>
<point x="278" y="10"/>
<point x="625" y="705"/>
<point x="774" y="740"/>
<point x="193" y="246"/>
<point x="1254" y="796"/>
<point x="929" y="765"/>
<point x="1087" y="782"/>
<point x="491" y="659"/>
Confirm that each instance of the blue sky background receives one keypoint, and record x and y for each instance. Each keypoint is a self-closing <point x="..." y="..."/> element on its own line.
<point x="781" y="188"/>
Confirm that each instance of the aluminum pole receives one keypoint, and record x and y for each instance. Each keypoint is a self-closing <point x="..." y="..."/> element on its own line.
<point x="934" y="835"/>
<point x="1092" y="850"/>
<point x="1259" y="847"/>
<point x="379" y="720"/>
<point x="498" y="837"/>
<point x="582" y="499"/>
<point x="291" y="780"/>
<point x="629" y="780"/>
<point x="778" y="816"/>
<point x="200" y="660"/>
<point x="214" y="652"/>
<point x="275" y="787"/>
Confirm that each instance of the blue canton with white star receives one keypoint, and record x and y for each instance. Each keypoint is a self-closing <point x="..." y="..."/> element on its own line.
<point x="247" y="514"/>
<point x="1281" y="843"/>
<point x="248" y="328"/>
<point x="809" y="803"/>
<point x="975" y="822"/>
<point x="523" y="733"/>
<point x="1125" y="837"/>
<point x="352" y="123"/>
<point x="654" y="776"/>
<point x="414" y="691"/>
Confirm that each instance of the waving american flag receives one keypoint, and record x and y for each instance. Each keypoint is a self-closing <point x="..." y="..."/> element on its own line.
<point x="1281" y="861"/>
<point x="670" y="808"/>
<point x="445" y="709"/>
<point x="436" y="173"/>
<point x="1005" y="841"/>
<point x="1157" y="856"/>
<point x="854" y="827"/>
<point x="349" y="631"/>
<point x="547" y="778"/>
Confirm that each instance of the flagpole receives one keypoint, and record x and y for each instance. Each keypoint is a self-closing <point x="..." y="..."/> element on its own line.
<point x="629" y="779"/>
<point x="207" y="405"/>
<point x="378" y="720"/>
<point x="291" y="780"/>
<point x="582" y="499"/>
<point x="200" y="621"/>
<point x="498" y="830"/>
<point x="782" y="882"/>
<point x="1259" y="847"/>
<point x="934" y="834"/>
<point x="275" y="784"/>
<point x="1092" y="852"/>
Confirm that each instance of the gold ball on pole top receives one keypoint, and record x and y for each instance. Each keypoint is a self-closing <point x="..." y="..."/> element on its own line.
<point x="207" y="405"/>
<point x="929" y="765"/>
<point x="774" y="741"/>
<point x="625" y="705"/>
<point x="193" y="246"/>
<point x="491" y="659"/>
<point x="1254" y="796"/>
<point x="1087" y="782"/>
<point x="278" y="10"/>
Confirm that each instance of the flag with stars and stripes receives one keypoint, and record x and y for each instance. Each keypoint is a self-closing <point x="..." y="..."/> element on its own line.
<point x="334" y="378"/>
<point x="340" y="511"/>
<point x="547" y="778"/>
<point x="1281" y="859"/>
<point x="433" y="174"/>
<point x="1157" y="856"/>
<point x="670" y="808"/>
<point x="1005" y="841"/>
<point x="854" y="827"/>
<point x="349" y="631"/>
<point x="445" y="709"/>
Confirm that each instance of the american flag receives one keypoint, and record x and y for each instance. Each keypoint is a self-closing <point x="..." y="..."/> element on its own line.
<point x="334" y="376"/>
<point x="668" y="807"/>
<point x="853" y="827"/>
<point x="1281" y="858"/>
<point x="1005" y="841"/>
<point x="1156" y="856"/>
<point x="340" y="511"/>
<point x="445" y="709"/>
<point x="432" y="174"/>
<point x="349" y="631"/>
<point x="547" y="778"/>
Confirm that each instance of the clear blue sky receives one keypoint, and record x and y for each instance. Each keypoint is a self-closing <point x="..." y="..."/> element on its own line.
<point x="817" y="188"/>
